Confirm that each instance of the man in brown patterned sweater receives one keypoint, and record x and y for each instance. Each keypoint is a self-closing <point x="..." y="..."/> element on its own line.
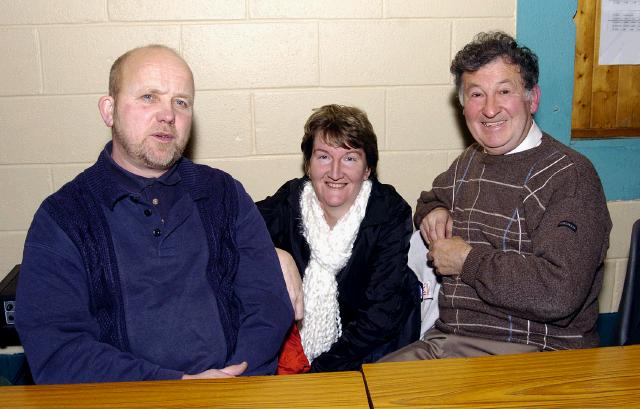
<point x="517" y="227"/>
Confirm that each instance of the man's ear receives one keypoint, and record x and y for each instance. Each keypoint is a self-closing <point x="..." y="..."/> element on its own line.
<point x="106" y="105"/>
<point x="535" y="99"/>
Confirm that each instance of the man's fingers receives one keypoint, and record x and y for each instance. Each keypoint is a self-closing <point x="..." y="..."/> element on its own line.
<point x="436" y="225"/>
<point x="449" y="255"/>
<point x="424" y="231"/>
<point x="449" y="231"/>
<point x="440" y="228"/>
<point x="235" y="370"/>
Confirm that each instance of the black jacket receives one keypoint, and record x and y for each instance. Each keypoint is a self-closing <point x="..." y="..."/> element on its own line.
<point x="377" y="292"/>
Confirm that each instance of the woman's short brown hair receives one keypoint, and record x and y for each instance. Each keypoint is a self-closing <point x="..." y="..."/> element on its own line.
<point x="341" y="126"/>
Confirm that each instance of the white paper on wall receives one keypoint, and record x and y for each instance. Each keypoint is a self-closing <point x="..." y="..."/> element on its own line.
<point x="620" y="32"/>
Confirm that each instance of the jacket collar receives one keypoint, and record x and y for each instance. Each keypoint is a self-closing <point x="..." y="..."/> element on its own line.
<point x="377" y="208"/>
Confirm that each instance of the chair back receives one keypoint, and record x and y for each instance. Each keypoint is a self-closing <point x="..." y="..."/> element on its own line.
<point x="629" y="310"/>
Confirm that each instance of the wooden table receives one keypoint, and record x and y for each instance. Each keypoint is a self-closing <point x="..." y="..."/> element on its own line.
<point x="334" y="390"/>
<point x="599" y="377"/>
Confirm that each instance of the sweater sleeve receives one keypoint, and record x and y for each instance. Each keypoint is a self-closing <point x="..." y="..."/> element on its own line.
<point x="440" y="195"/>
<point x="59" y="334"/>
<point x="569" y="240"/>
<point x="387" y="298"/>
<point x="266" y="313"/>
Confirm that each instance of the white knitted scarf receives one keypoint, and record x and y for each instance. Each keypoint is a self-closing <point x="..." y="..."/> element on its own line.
<point x="330" y="251"/>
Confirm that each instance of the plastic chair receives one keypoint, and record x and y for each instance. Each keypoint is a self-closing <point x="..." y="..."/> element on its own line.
<point x="629" y="311"/>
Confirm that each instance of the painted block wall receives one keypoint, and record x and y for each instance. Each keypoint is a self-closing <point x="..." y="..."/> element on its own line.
<point x="260" y="67"/>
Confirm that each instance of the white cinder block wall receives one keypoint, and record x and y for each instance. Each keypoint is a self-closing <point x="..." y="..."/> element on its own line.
<point x="260" y="67"/>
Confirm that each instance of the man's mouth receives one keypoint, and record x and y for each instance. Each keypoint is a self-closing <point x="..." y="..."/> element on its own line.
<point x="336" y="185"/>
<point x="163" y="137"/>
<point x="492" y="124"/>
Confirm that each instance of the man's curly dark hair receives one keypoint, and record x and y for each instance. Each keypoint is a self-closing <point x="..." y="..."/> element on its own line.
<point x="488" y="46"/>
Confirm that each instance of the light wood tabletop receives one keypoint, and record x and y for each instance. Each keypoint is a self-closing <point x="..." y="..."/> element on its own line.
<point x="599" y="377"/>
<point x="328" y="390"/>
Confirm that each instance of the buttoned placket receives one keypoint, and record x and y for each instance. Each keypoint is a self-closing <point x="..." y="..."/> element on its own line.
<point x="151" y="219"/>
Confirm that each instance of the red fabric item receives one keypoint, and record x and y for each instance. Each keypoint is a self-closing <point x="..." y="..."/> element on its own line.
<point x="292" y="358"/>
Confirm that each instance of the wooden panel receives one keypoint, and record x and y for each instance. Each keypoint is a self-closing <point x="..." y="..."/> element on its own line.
<point x="604" y="86"/>
<point x="628" y="112"/>
<point x="599" y="133"/>
<point x="606" y="98"/>
<point x="585" y="19"/>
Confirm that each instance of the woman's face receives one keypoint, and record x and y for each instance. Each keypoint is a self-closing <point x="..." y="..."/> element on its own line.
<point x="336" y="175"/>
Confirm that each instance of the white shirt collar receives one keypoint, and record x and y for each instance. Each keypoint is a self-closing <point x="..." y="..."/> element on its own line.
<point x="533" y="139"/>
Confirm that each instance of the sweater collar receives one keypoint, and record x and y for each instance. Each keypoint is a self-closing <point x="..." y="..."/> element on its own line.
<point x="514" y="158"/>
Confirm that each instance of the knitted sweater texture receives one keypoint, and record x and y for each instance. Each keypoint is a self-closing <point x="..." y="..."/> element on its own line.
<point x="539" y="228"/>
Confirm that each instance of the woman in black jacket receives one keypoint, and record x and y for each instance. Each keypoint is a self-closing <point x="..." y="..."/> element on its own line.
<point x="349" y="236"/>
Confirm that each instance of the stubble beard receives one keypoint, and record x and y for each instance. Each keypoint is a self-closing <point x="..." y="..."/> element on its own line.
<point x="160" y="158"/>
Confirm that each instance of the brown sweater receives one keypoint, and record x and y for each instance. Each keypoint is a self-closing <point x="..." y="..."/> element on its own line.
<point x="539" y="227"/>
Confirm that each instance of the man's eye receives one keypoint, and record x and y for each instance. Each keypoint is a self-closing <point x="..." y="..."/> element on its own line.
<point x="182" y="103"/>
<point x="505" y="92"/>
<point x="147" y="97"/>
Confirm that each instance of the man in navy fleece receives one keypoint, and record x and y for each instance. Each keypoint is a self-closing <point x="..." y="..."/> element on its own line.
<point x="146" y="265"/>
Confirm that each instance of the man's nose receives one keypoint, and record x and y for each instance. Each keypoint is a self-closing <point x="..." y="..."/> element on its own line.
<point x="490" y="108"/>
<point x="166" y="113"/>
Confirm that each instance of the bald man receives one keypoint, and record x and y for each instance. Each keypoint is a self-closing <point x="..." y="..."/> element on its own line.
<point x="147" y="266"/>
